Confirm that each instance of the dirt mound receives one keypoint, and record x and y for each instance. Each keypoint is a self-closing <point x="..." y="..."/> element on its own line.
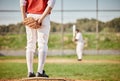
<point x="42" y="79"/>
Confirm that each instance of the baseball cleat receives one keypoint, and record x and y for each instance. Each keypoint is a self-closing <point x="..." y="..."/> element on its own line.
<point x="30" y="74"/>
<point x="79" y="59"/>
<point x="41" y="75"/>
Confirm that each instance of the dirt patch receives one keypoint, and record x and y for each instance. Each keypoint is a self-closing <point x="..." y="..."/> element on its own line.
<point x="55" y="60"/>
<point x="43" y="79"/>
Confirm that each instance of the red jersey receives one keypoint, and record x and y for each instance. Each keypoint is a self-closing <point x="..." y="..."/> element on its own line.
<point x="36" y="6"/>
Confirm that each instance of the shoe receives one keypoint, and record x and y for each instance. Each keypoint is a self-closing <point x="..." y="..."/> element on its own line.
<point x="79" y="59"/>
<point x="30" y="74"/>
<point x="41" y="75"/>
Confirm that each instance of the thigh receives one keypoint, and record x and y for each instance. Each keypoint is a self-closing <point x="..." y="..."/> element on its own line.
<point x="31" y="34"/>
<point x="43" y="32"/>
<point x="45" y="27"/>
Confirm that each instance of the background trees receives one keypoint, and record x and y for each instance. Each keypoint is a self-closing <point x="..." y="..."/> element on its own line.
<point x="86" y="25"/>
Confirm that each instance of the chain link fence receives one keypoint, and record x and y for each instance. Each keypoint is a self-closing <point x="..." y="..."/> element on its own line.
<point x="99" y="21"/>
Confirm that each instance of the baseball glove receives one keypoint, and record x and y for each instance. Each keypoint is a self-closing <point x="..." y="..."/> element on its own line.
<point x="31" y="22"/>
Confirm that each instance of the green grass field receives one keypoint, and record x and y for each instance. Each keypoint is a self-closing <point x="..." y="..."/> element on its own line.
<point x="80" y="70"/>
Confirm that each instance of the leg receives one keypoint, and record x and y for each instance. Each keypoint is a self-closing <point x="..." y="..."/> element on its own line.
<point x="79" y="50"/>
<point x="43" y="35"/>
<point x="30" y="49"/>
<point x="42" y="51"/>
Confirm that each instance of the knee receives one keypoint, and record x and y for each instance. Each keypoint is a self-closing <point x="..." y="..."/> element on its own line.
<point x="43" y="48"/>
<point x="31" y="47"/>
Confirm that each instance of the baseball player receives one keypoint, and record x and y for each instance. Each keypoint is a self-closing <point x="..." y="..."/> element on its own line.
<point x="40" y="10"/>
<point x="80" y="44"/>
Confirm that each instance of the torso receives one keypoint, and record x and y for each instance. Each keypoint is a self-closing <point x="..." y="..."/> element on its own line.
<point x="36" y="6"/>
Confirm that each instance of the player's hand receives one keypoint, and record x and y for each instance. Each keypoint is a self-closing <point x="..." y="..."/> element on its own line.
<point x="39" y="21"/>
<point x="31" y="22"/>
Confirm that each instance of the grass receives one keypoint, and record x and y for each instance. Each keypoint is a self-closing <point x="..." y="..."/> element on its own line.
<point x="85" y="71"/>
<point x="102" y="57"/>
<point x="107" y="72"/>
<point x="86" y="57"/>
<point x="13" y="41"/>
<point x="105" y="41"/>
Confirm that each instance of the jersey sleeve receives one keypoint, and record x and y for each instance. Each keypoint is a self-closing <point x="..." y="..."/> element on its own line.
<point x="23" y="2"/>
<point x="77" y="36"/>
<point x="51" y="3"/>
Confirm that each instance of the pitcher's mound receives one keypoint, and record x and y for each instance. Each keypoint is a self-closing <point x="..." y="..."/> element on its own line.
<point x="43" y="79"/>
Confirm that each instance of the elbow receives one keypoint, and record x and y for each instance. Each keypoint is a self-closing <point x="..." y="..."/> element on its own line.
<point x="51" y="3"/>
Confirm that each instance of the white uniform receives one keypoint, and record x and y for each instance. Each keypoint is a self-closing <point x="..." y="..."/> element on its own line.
<point x="80" y="45"/>
<point x="37" y="35"/>
<point x="41" y="36"/>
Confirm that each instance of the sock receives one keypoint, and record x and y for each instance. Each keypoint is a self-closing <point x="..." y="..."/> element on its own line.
<point x="29" y="59"/>
<point x="41" y="60"/>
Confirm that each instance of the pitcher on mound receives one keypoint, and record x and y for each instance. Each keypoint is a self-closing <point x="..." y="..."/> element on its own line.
<point x="39" y="10"/>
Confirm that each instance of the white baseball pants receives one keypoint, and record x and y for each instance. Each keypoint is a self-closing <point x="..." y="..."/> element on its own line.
<point x="79" y="50"/>
<point x="39" y="36"/>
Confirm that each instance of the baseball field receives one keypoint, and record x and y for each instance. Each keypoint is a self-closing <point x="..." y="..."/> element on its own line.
<point x="91" y="68"/>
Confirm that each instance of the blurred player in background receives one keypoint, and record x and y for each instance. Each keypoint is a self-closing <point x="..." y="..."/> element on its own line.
<point x="80" y="43"/>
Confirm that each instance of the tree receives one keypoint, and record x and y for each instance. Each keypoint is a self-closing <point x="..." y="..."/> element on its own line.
<point x="114" y="24"/>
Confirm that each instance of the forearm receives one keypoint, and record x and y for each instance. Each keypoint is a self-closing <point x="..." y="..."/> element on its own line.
<point x="48" y="9"/>
<point x="46" y="12"/>
<point x="23" y="12"/>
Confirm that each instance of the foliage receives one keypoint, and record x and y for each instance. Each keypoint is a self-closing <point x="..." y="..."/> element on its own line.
<point x="13" y="36"/>
<point x="113" y="25"/>
<point x="86" y="25"/>
<point x="105" y="41"/>
<point x="12" y="29"/>
<point x="13" y="41"/>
